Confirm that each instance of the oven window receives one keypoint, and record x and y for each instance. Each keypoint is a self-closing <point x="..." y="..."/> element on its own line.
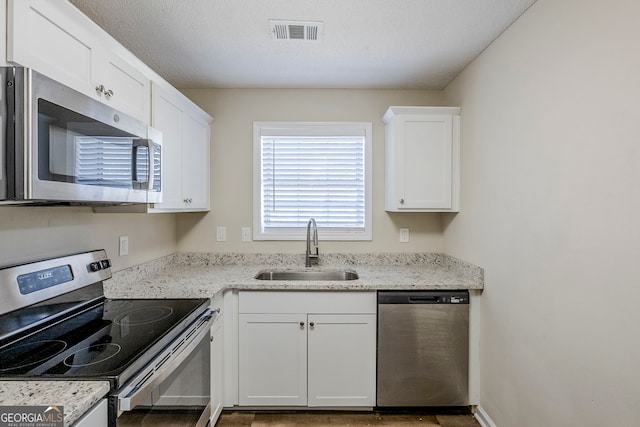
<point x="78" y="149"/>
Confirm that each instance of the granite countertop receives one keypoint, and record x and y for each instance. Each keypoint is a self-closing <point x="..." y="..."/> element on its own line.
<point x="77" y="397"/>
<point x="204" y="275"/>
<point x="201" y="275"/>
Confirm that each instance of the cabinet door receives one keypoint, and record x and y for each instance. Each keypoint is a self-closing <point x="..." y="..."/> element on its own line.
<point x="166" y="116"/>
<point x="125" y="88"/>
<point x="50" y="37"/>
<point x="185" y="145"/>
<point x="96" y="417"/>
<point x="272" y="363"/>
<point x="424" y="150"/>
<point x="217" y="370"/>
<point x="195" y="163"/>
<point x="342" y="360"/>
<point x="57" y="40"/>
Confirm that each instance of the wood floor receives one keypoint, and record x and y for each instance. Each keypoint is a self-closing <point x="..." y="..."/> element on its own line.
<point x="321" y="419"/>
<point x="162" y="418"/>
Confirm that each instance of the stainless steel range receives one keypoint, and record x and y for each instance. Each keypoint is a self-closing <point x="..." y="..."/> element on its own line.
<point x="55" y="323"/>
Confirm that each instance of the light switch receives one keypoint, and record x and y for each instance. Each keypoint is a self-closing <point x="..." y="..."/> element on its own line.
<point x="123" y="248"/>
<point x="221" y="234"/>
<point x="404" y="235"/>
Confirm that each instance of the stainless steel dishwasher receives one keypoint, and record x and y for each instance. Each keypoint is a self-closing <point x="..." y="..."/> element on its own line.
<point x="423" y="348"/>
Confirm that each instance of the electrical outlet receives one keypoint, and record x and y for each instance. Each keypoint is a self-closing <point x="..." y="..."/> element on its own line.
<point x="404" y="235"/>
<point x="246" y="234"/>
<point x="124" y="246"/>
<point x="221" y="234"/>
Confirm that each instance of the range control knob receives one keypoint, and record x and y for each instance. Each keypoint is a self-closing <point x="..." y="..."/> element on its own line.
<point x="95" y="266"/>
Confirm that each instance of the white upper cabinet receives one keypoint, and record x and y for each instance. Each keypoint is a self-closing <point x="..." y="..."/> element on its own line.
<point x="57" y="40"/>
<point x="121" y="85"/>
<point x="195" y="162"/>
<point x="185" y="145"/>
<point x="422" y="151"/>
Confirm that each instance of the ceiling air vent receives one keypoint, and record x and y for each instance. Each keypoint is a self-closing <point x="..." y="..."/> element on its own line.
<point x="296" y="30"/>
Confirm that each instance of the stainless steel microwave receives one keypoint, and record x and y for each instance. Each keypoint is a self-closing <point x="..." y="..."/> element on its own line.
<point x="60" y="146"/>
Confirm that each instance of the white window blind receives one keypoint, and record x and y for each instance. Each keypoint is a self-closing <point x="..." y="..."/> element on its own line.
<point x="314" y="171"/>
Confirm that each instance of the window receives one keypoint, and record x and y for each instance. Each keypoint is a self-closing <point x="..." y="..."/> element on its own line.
<point x="312" y="170"/>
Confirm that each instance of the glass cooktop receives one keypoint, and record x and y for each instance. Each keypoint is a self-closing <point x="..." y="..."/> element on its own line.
<point x="99" y="343"/>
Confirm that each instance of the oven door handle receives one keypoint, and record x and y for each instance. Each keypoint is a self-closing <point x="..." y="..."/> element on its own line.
<point x="141" y="386"/>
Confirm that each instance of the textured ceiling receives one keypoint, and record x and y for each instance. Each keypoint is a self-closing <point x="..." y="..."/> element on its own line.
<point x="412" y="44"/>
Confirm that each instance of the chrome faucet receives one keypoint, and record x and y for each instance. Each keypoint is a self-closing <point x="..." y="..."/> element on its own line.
<point x="311" y="257"/>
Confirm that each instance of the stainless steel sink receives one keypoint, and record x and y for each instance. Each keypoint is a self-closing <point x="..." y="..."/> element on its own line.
<point x="328" y="275"/>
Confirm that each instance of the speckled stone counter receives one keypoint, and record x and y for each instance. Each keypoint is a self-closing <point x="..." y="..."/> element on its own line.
<point x="201" y="275"/>
<point x="196" y="275"/>
<point x="77" y="397"/>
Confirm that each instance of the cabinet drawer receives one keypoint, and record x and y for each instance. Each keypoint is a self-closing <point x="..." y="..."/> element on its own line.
<point x="329" y="302"/>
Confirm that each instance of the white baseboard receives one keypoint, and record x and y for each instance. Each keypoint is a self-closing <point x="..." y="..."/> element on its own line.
<point x="483" y="418"/>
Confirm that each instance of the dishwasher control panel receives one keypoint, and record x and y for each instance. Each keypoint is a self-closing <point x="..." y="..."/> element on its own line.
<point x="423" y="297"/>
<point x="456" y="300"/>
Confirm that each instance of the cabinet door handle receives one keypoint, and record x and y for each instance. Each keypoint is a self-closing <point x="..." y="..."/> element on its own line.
<point x="108" y="93"/>
<point x="302" y="324"/>
<point x="402" y="201"/>
<point x="312" y="324"/>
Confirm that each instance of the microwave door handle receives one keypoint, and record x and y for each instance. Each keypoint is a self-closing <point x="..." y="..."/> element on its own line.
<point x="149" y="144"/>
<point x="148" y="184"/>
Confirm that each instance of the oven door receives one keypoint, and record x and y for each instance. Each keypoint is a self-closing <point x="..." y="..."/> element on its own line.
<point x="138" y="390"/>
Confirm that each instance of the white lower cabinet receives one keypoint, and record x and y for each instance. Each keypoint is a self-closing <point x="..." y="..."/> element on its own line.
<point x="342" y="362"/>
<point x="273" y="359"/>
<point x="321" y="356"/>
<point x="95" y="417"/>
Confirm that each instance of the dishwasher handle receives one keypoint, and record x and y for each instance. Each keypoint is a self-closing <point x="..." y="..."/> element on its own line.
<point x="427" y="299"/>
<point x="423" y="297"/>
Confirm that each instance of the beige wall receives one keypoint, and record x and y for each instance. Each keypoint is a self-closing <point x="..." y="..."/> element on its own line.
<point x="232" y="157"/>
<point x="31" y="233"/>
<point x="550" y="202"/>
